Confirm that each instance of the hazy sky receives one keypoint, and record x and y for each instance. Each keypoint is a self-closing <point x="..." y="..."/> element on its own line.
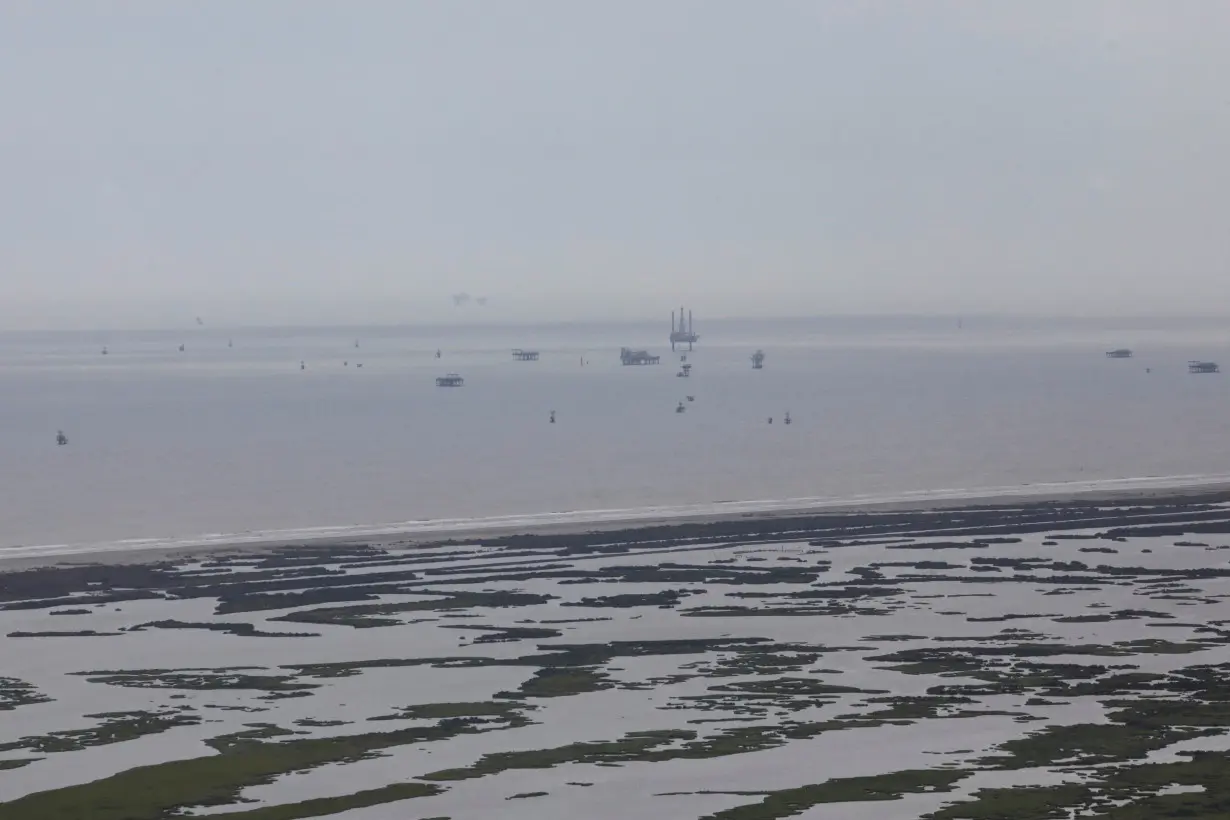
<point x="321" y="161"/>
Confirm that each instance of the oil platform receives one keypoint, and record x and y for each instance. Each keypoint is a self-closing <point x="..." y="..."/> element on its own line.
<point x="525" y="355"/>
<point x="629" y="356"/>
<point x="684" y="333"/>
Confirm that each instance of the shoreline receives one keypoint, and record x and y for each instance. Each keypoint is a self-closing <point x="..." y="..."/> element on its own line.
<point x="722" y="524"/>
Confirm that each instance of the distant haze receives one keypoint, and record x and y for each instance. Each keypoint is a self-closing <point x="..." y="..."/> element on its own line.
<point x="312" y="161"/>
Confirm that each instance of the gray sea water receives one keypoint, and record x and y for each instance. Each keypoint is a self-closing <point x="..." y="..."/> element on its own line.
<point x="218" y="440"/>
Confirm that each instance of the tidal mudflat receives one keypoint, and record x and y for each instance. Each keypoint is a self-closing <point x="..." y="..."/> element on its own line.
<point x="1020" y="662"/>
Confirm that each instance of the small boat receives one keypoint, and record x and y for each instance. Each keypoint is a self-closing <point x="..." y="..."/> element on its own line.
<point x="680" y="408"/>
<point x="786" y="420"/>
<point x="553" y="417"/>
<point x="691" y="398"/>
<point x="61" y="439"/>
<point x="685" y="372"/>
<point x="104" y="351"/>
<point x="758" y="360"/>
<point x="181" y="348"/>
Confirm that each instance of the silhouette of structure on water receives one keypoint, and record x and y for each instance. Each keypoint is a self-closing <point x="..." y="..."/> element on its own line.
<point x="629" y="356"/>
<point x="680" y="408"/>
<point x="1203" y="367"/>
<point x="684" y="333"/>
<point x="61" y="439"/>
<point x="786" y="420"/>
<point x="525" y="355"/>
<point x="450" y="380"/>
<point x="758" y="360"/>
<point x="553" y="417"/>
<point x="685" y="371"/>
<point x="1121" y="353"/>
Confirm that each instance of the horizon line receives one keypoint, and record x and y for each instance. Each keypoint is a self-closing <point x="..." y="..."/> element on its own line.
<point x="471" y="321"/>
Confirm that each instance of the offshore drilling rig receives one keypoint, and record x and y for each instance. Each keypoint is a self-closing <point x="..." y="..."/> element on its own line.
<point x="683" y="334"/>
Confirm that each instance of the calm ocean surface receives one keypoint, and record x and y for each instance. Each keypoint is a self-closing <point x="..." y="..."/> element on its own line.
<point x="222" y="440"/>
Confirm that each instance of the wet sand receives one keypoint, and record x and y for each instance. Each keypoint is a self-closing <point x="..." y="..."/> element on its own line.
<point x="713" y="525"/>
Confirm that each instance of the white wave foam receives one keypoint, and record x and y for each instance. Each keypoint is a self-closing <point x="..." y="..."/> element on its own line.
<point x="631" y="515"/>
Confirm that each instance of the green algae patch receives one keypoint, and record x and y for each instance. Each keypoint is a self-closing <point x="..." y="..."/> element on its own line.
<point x="158" y="791"/>
<point x="324" y="806"/>
<point x="505" y="634"/>
<point x="1122" y="793"/>
<point x="83" y="633"/>
<point x="554" y="682"/>
<point x="1088" y="744"/>
<point x="201" y="679"/>
<point x="1021" y="803"/>
<point x="242" y="629"/>
<point x="653" y="746"/>
<point x="633" y="746"/>
<point x="15" y="693"/>
<point x="115" y="728"/>
<point x="441" y="711"/>
<point x="790" y="802"/>
<point x="6" y="765"/>
<point x="375" y="615"/>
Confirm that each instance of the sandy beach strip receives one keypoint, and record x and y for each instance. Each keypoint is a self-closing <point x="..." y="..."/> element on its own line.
<point x="1123" y="494"/>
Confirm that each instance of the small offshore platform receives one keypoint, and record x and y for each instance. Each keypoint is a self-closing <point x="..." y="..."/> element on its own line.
<point x="450" y="380"/>
<point x="683" y="333"/>
<point x="525" y="355"/>
<point x="758" y="360"/>
<point x="1203" y="367"/>
<point x="628" y="356"/>
<point x="1120" y="353"/>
